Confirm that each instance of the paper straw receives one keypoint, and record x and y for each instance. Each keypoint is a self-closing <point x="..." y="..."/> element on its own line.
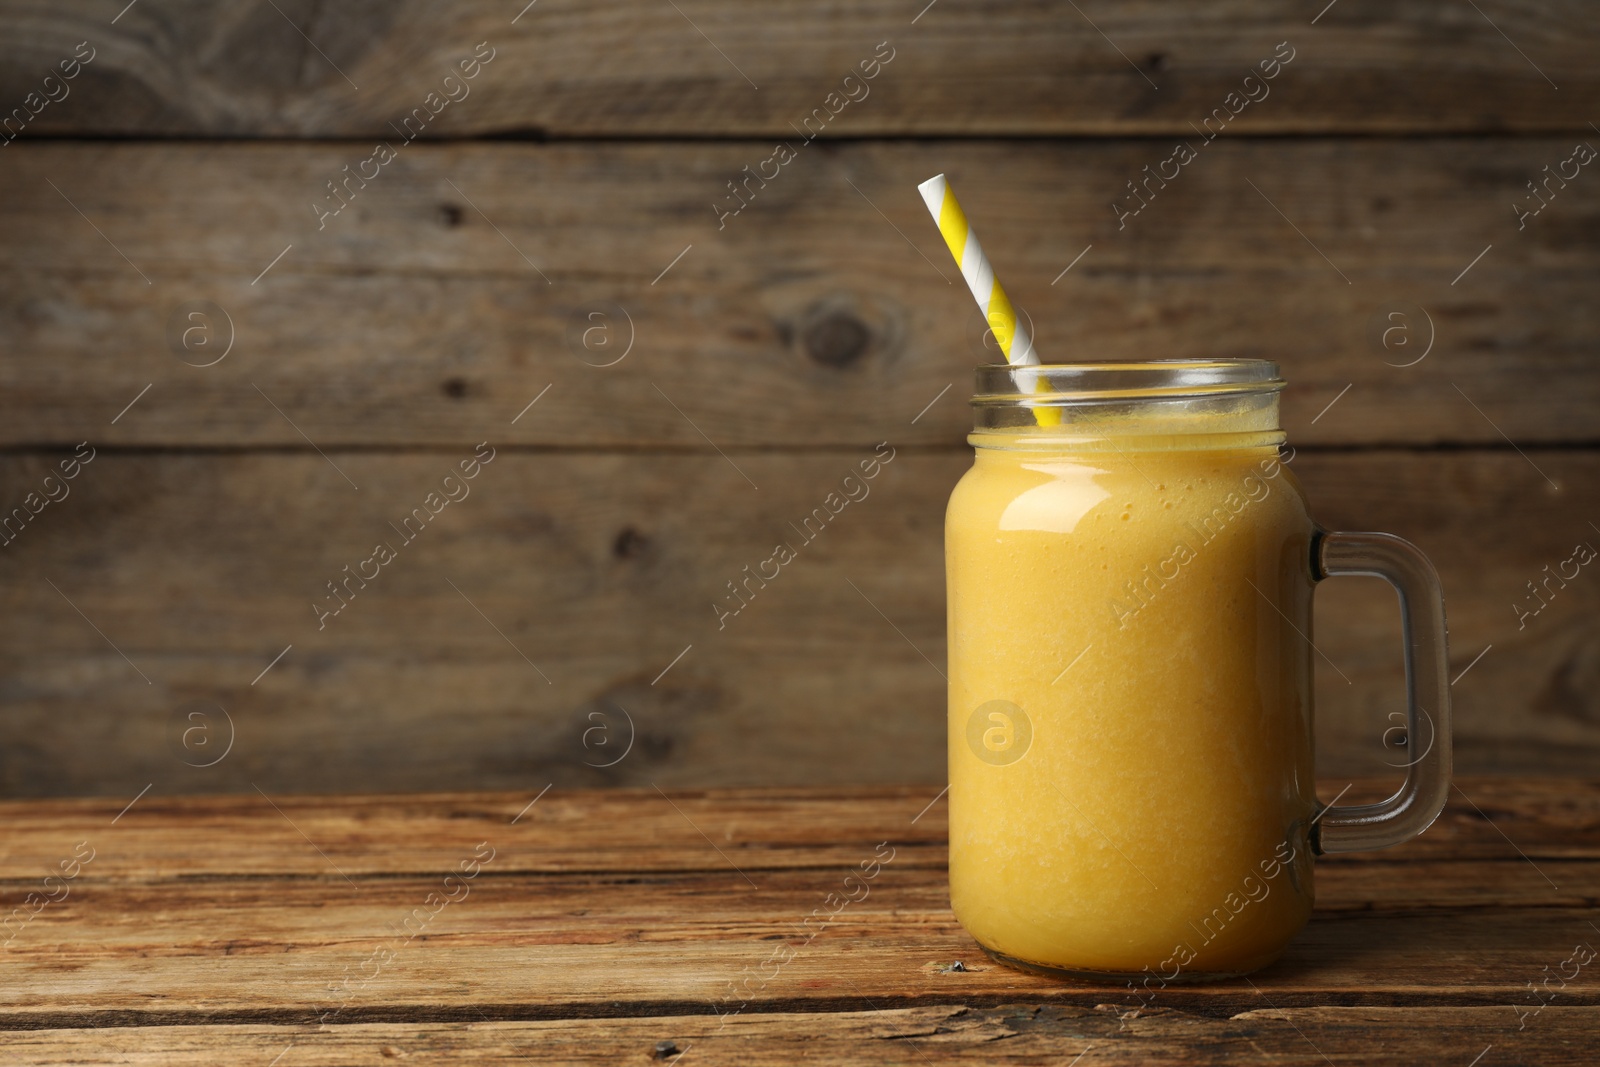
<point x="1008" y="330"/>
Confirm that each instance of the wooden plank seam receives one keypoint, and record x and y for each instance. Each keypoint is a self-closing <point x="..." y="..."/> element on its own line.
<point x="783" y="952"/>
<point x="1184" y="153"/>
<point x="384" y="552"/>
<point x="385" y="153"/>
<point x="785" y="553"/>
<point x="44" y="96"/>
<point x="404" y="933"/>
<point x="785" y="153"/>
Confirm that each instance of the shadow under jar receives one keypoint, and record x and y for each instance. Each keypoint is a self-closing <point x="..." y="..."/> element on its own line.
<point x="1130" y="566"/>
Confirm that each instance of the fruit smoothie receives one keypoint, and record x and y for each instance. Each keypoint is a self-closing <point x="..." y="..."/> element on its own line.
<point x="1130" y="704"/>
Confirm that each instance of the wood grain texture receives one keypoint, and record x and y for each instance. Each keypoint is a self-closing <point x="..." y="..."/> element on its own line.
<point x="563" y="68"/>
<point x="579" y="579"/>
<point x="807" y="320"/>
<point x="628" y="946"/>
<point x="613" y="832"/>
<point x="1021" y="1034"/>
<point x="585" y="932"/>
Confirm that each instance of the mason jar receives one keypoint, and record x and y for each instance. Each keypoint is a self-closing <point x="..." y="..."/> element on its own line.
<point x="1130" y="565"/>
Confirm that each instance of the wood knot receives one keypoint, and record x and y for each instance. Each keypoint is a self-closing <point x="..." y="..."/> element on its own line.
<point x="837" y="339"/>
<point x="449" y="216"/>
<point x="630" y="544"/>
<point x="454" y="388"/>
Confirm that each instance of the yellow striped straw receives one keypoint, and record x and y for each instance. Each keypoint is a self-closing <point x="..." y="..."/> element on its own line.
<point x="1011" y="334"/>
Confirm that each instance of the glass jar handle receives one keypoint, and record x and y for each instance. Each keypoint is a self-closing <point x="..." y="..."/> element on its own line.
<point x="1351" y="828"/>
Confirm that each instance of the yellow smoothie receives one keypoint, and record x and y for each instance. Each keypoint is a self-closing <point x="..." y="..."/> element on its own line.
<point x="1130" y="704"/>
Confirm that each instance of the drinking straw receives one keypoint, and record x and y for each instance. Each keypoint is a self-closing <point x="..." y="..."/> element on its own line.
<point x="1011" y="334"/>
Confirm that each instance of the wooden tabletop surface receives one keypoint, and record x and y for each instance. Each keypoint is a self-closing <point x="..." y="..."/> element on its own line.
<point x="640" y="926"/>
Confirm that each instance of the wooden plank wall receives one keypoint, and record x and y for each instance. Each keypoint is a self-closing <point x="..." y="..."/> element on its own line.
<point x="267" y="385"/>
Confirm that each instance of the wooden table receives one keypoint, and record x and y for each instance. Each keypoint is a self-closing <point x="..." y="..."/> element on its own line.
<point x="649" y="927"/>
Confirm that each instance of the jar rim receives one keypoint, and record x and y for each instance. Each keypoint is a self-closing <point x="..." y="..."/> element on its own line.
<point x="1098" y="381"/>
